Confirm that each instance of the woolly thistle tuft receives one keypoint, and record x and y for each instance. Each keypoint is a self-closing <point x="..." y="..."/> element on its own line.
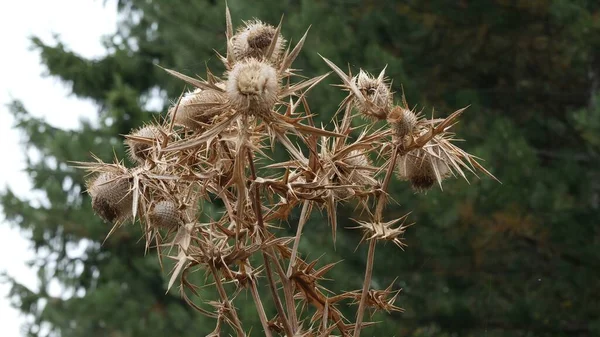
<point x="252" y="87"/>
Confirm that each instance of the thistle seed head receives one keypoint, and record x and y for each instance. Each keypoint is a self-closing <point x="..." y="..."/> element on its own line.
<point x="253" y="41"/>
<point x="111" y="196"/>
<point x="422" y="169"/>
<point x="165" y="214"/>
<point x="403" y="121"/>
<point x="198" y="107"/>
<point x="358" y="161"/>
<point x="377" y="93"/>
<point x="139" y="150"/>
<point x="357" y="158"/>
<point x="252" y="87"/>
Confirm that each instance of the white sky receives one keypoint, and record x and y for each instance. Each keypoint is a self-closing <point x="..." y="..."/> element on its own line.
<point x="80" y="24"/>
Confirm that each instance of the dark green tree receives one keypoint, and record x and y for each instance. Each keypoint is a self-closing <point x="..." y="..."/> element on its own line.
<point x="517" y="259"/>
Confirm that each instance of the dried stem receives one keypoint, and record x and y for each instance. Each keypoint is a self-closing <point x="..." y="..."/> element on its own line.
<point x="261" y="310"/>
<point x="276" y="299"/>
<point x="386" y="181"/>
<point x="288" y="292"/>
<point x="365" y="290"/>
<point x="230" y="309"/>
<point x="301" y="223"/>
<point x="262" y="232"/>
<point x="373" y="242"/>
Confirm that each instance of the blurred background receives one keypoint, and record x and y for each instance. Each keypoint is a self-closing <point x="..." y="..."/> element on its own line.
<point x="521" y="258"/>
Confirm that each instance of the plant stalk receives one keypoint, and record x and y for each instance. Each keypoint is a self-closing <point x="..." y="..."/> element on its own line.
<point x="261" y="310"/>
<point x="231" y="310"/>
<point x="373" y="242"/>
<point x="365" y="290"/>
<point x="301" y="223"/>
<point x="263" y="233"/>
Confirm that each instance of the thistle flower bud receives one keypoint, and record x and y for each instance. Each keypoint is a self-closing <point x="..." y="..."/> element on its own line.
<point x="111" y="196"/>
<point x="253" y="41"/>
<point x="403" y="121"/>
<point x="140" y="150"/>
<point x="165" y="214"/>
<point x="378" y="97"/>
<point x="252" y="87"/>
<point x="198" y="107"/>
<point x="422" y="169"/>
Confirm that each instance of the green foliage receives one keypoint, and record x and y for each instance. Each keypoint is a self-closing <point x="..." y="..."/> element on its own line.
<point x="517" y="259"/>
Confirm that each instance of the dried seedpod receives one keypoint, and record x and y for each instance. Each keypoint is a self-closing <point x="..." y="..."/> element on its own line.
<point x="378" y="97"/>
<point x="253" y="41"/>
<point x="252" y="87"/>
<point x="422" y="169"/>
<point x="111" y="194"/>
<point x="165" y="214"/>
<point x="141" y="141"/>
<point x="403" y="121"/>
<point x="198" y="108"/>
<point x="358" y="162"/>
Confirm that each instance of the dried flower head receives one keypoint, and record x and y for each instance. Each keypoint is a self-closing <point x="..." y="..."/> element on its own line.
<point x="358" y="165"/>
<point x="165" y="214"/>
<point x="403" y="121"/>
<point x="422" y="169"/>
<point x="111" y="196"/>
<point x="198" y="107"/>
<point x="253" y="41"/>
<point x="378" y="98"/>
<point x="141" y="141"/>
<point x="371" y="96"/>
<point x="252" y="87"/>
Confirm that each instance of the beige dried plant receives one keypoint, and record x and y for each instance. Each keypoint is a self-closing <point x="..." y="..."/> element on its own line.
<point x="208" y="148"/>
<point x="253" y="41"/>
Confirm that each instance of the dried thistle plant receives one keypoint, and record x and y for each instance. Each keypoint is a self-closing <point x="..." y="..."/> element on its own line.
<point x="207" y="148"/>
